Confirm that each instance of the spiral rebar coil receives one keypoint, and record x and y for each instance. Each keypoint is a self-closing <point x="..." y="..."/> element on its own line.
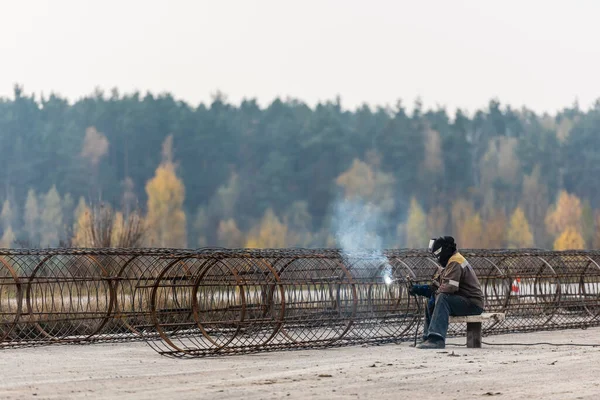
<point x="222" y="301"/>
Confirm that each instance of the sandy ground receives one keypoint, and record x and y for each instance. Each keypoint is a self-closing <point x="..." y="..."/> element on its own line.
<point x="135" y="371"/>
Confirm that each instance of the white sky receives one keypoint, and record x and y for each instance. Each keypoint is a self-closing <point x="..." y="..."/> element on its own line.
<point x="542" y="54"/>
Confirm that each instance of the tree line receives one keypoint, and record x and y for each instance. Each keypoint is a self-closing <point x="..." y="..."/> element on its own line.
<point x="115" y="169"/>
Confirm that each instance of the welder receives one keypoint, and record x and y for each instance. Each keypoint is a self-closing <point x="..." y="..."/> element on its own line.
<point x="454" y="290"/>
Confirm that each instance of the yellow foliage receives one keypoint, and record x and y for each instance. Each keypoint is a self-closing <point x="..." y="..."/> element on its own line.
<point x="118" y="229"/>
<point x="596" y="239"/>
<point x="270" y="233"/>
<point x="562" y="128"/>
<point x="51" y="219"/>
<point x="7" y="238"/>
<point x="470" y="234"/>
<point x="362" y="181"/>
<point x="166" y="218"/>
<point x="495" y="230"/>
<point x="6" y="216"/>
<point x="229" y="235"/>
<point x="416" y="226"/>
<point x="462" y="210"/>
<point x="95" y="146"/>
<point x="570" y="239"/>
<point x="519" y="234"/>
<point x="358" y="181"/>
<point x="32" y="215"/>
<point x="83" y="226"/>
<point x="565" y="214"/>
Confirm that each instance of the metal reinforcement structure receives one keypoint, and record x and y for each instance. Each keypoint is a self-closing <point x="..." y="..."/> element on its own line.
<point x="192" y="303"/>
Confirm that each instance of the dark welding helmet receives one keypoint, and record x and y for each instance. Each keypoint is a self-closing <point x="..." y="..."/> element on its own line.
<point x="442" y="249"/>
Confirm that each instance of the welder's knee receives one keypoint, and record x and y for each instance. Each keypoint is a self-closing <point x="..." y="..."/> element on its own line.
<point x="442" y="297"/>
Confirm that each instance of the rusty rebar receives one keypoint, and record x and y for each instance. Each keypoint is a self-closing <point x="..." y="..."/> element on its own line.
<point x="225" y="301"/>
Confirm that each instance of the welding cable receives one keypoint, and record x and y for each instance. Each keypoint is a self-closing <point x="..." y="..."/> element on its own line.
<point x="418" y="318"/>
<point x="530" y="344"/>
<point x="409" y="284"/>
<point x="542" y="344"/>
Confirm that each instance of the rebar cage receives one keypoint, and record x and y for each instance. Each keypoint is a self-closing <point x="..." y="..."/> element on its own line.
<point x="213" y="301"/>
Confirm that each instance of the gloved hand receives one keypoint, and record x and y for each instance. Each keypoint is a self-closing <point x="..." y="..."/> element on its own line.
<point x="421" y="290"/>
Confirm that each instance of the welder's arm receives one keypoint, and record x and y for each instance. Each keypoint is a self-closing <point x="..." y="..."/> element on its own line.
<point x="421" y="290"/>
<point x="451" y="278"/>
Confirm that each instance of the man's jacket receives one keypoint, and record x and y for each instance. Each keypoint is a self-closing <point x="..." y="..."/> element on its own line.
<point x="459" y="278"/>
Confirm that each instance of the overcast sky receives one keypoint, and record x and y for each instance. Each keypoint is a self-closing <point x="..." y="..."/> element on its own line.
<point x="540" y="53"/>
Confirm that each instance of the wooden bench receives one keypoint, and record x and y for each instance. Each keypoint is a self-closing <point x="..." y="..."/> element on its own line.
<point x="474" y="326"/>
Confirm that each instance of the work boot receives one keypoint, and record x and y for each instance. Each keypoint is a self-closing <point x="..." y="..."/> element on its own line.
<point x="432" y="343"/>
<point x="419" y="341"/>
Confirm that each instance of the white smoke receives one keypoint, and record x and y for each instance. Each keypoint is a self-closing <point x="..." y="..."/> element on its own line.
<point x="356" y="225"/>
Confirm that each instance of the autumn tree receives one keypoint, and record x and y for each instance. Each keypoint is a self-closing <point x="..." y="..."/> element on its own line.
<point x="82" y="229"/>
<point x="6" y="216"/>
<point x="596" y="242"/>
<point x="565" y="214"/>
<point x="519" y="234"/>
<point x="224" y="201"/>
<point x="7" y="221"/>
<point x="8" y="238"/>
<point x="269" y="233"/>
<point x="95" y="146"/>
<point x="365" y="183"/>
<point x="569" y="239"/>
<point x="166" y="220"/>
<point x="229" y="235"/>
<point x="31" y="218"/>
<point x="51" y="219"/>
<point x="495" y="228"/>
<point x="416" y="226"/>
<point x="471" y="232"/>
<point x="101" y="227"/>
<point x="460" y="212"/>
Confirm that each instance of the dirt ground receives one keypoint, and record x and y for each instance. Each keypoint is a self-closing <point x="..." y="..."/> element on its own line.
<point x="135" y="371"/>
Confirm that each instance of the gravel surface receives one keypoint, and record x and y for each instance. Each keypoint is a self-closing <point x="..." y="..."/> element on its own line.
<point x="135" y="371"/>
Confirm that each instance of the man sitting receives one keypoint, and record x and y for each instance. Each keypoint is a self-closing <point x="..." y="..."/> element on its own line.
<point x="455" y="290"/>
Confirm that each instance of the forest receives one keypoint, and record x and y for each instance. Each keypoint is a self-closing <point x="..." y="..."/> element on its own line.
<point x="131" y="170"/>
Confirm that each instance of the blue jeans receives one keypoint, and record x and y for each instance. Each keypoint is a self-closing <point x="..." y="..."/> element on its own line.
<point x="438" y="314"/>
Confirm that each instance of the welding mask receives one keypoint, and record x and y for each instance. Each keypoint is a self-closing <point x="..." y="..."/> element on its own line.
<point x="442" y="248"/>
